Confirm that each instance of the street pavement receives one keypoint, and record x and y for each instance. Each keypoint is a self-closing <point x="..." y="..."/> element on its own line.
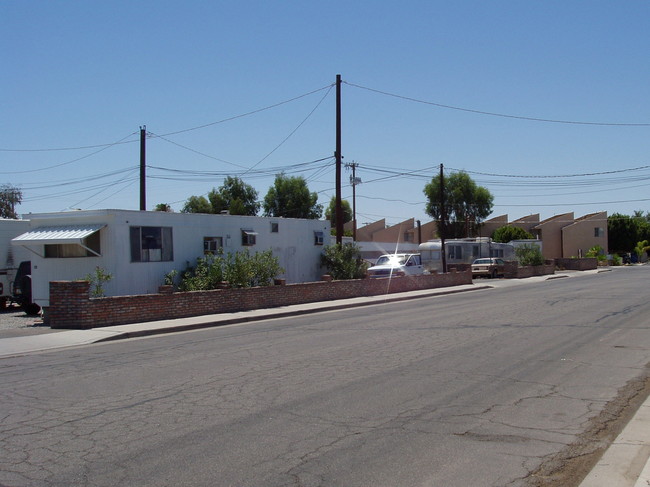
<point x="626" y="463"/>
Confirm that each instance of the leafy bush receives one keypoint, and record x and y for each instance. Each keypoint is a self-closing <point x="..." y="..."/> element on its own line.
<point x="240" y="269"/>
<point x="616" y="260"/>
<point x="642" y="248"/>
<point x="97" y="280"/>
<point x="596" y="252"/>
<point x="529" y="254"/>
<point x="344" y="261"/>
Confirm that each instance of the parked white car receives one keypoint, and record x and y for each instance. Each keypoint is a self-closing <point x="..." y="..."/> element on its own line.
<point x="393" y="265"/>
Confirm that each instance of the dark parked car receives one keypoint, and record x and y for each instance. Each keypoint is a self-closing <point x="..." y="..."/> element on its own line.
<point x="488" y="267"/>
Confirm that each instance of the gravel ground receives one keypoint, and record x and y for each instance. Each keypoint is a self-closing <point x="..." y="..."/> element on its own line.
<point x="14" y="322"/>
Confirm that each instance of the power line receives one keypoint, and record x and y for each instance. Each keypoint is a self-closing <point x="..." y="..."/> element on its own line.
<point x="108" y="146"/>
<point x="553" y="176"/>
<point x="328" y="87"/>
<point x="294" y="130"/>
<point x="495" y="114"/>
<point x="235" y="117"/>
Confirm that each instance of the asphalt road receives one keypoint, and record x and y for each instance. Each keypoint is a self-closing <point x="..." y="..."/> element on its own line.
<point x="489" y="388"/>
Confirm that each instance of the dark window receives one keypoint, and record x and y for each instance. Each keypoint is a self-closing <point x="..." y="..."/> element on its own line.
<point x="151" y="244"/>
<point x="475" y="250"/>
<point x="275" y="227"/>
<point x="248" y="238"/>
<point x="90" y="248"/>
<point x="455" y="252"/>
<point x="318" y="238"/>
<point x="599" y="232"/>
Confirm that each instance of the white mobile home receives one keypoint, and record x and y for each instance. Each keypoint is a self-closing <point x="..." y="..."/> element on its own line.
<point x="139" y="247"/>
<point x="10" y="256"/>
<point x="463" y="251"/>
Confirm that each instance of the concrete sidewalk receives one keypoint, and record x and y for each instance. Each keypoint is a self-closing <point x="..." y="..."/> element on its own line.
<point x="624" y="464"/>
<point x="56" y="339"/>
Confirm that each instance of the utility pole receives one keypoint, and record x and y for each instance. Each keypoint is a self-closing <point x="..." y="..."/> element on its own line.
<point x="143" y="165"/>
<point x="354" y="180"/>
<point x="339" y="209"/>
<point x="443" y="220"/>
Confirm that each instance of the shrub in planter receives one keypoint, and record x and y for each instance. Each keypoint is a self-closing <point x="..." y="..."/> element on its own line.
<point x="529" y="255"/>
<point x="344" y="261"/>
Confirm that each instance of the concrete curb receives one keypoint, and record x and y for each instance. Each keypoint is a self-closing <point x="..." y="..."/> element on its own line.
<point x="62" y="339"/>
<point x="625" y="462"/>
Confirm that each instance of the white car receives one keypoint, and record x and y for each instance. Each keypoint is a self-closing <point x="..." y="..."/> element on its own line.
<point x="394" y="265"/>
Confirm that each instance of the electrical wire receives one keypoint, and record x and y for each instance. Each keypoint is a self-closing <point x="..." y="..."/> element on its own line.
<point x="68" y="182"/>
<point x="252" y="112"/>
<point x="328" y="87"/>
<point x="108" y="146"/>
<point x="131" y="181"/>
<point x="247" y="170"/>
<point x="294" y="130"/>
<point x="552" y="176"/>
<point x="494" y="114"/>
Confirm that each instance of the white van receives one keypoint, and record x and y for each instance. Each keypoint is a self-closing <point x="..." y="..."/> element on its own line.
<point x="394" y="265"/>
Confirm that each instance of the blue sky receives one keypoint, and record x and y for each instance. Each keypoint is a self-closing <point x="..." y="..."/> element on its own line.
<point x="212" y="83"/>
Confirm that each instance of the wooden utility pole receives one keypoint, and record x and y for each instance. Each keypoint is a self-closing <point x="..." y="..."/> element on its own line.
<point x="443" y="220"/>
<point x="143" y="165"/>
<point x="339" y="208"/>
<point x="354" y="180"/>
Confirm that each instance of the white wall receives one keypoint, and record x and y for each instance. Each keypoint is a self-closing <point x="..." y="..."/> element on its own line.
<point x="293" y="245"/>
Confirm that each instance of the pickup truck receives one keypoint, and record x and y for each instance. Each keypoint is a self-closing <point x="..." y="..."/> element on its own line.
<point x="394" y="265"/>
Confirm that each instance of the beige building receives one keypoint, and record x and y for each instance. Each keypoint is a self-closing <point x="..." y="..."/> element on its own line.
<point x="562" y="236"/>
<point x="586" y="232"/>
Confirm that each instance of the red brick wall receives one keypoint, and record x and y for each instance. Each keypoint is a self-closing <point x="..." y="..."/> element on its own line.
<point x="71" y="307"/>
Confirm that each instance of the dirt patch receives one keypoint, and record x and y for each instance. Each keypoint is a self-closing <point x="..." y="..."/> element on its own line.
<point x="570" y="466"/>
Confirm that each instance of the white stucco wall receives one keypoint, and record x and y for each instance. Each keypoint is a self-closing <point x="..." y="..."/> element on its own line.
<point x="293" y="244"/>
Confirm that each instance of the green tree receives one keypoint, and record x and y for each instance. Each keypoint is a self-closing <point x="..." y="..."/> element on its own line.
<point x="289" y="197"/>
<point x="344" y="261"/>
<point x="235" y="196"/>
<point x="509" y="233"/>
<point x="624" y="231"/>
<point x="466" y="205"/>
<point x="163" y="207"/>
<point x="10" y="196"/>
<point x="197" y="204"/>
<point x="330" y="213"/>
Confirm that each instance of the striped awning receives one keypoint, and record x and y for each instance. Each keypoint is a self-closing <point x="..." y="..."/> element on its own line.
<point x="68" y="234"/>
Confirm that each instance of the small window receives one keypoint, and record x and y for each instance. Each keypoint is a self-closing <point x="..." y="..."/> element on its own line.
<point x="318" y="238"/>
<point x="151" y="244"/>
<point x="456" y="252"/>
<point x="475" y="250"/>
<point x="248" y="238"/>
<point x="275" y="227"/>
<point x="212" y="244"/>
<point x="89" y="248"/>
<point x="599" y="232"/>
<point x="496" y="253"/>
<point x="408" y="237"/>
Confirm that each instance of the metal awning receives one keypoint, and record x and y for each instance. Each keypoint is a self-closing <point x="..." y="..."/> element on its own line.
<point x="68" y="234"/>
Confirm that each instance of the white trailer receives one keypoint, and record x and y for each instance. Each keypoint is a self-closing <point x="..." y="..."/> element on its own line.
<point x="10" y="256"/>
<point x="462" y="251"/>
